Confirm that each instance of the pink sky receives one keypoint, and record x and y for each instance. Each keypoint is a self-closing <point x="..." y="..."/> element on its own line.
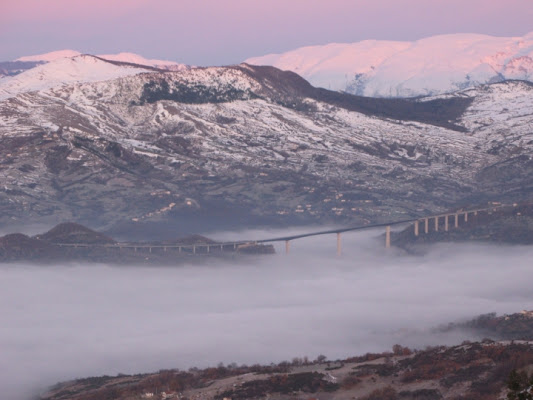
<point x="208" y="32"/>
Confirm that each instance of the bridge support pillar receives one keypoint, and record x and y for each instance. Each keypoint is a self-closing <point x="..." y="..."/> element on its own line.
<point x="387" y="237"/>
<point x="193" y="249"/>
<point x="466" y="216"/>
<point x="416" y="228"/>
<point x="457" y="220"/>
<point x="426" y="225"/>
<point x="436" y="224"/>
<point x="150" y="249"/>
<point x="208" y="249"/>
<point x="475" y="213"/>
<point x="446" y="223"/>
<point x="339" y="244"/>
<point x="287" y="246"/>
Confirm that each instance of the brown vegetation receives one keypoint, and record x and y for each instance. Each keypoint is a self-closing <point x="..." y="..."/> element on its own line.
<point x="386" y="393"/>
<point x="308" y="382"/>
<point x="473" y="371"/>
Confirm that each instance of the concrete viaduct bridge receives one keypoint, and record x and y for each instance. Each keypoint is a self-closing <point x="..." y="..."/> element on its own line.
<point x="422" y="225"/>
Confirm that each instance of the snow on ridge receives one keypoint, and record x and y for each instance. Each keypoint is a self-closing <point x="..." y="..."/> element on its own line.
<point x="138" y="59"/>
<point x="126" y="57"/>
<point x="63" y="72"/>
<point x="52" y="56"/>
<point x="432" y="65"/>
<point x="333" y="65"/>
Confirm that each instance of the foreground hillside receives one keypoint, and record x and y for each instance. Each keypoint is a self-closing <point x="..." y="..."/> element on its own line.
<point x="469" y="371"/>
<point x="473" y="370"/>
<point x="240" y="146"/>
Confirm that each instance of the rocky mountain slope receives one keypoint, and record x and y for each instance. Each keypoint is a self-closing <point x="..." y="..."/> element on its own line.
<point x="434" y="65"/>
<point x="243" y="145"/>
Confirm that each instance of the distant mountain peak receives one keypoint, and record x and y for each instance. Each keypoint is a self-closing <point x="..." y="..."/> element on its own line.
<point x="124" y="57"/>
<point x="52" y="56"/>
<point x="65" y="71"/>
<point x="12" y="68"/>
<point x="137" y="59"/>
<point x="429" y="66"/>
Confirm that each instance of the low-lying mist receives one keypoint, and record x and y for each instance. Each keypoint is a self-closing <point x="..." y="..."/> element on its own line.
<point x="67" y="321"/>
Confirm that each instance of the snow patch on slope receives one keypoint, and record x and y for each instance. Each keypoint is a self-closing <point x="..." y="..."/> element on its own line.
<point x="63" y="72"/>
<point x="428" y="66"/>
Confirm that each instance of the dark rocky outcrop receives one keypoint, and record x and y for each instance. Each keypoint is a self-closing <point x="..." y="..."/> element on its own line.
<point x="17" y="246"/>
<point x="74" y="242"/>
<point x="70" y="232"/>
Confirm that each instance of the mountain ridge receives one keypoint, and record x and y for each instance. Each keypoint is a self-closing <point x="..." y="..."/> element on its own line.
<point x="429" y="66"/>
<point x="65" y="71"/>
<point x="22" y="64"/>
<point x="243" y="145"/>
<point x="127" y="57"/>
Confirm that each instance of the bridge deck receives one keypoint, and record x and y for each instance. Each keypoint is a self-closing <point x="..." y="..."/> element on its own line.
<point x="235" y="244"/>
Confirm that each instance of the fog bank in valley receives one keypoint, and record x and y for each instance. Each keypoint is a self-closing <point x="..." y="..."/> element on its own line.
<point x="67" y="321"/>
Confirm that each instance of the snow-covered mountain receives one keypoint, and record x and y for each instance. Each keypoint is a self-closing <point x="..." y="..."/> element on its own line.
<point x="64" y="71"/>
<point x="125" y="57"/>
<point x="140" y="60"/>
<point x="243" y="144"/>
<point x="52" y="56"/>
<point x="11" y="68"/>
<point x="430" y="66"/>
